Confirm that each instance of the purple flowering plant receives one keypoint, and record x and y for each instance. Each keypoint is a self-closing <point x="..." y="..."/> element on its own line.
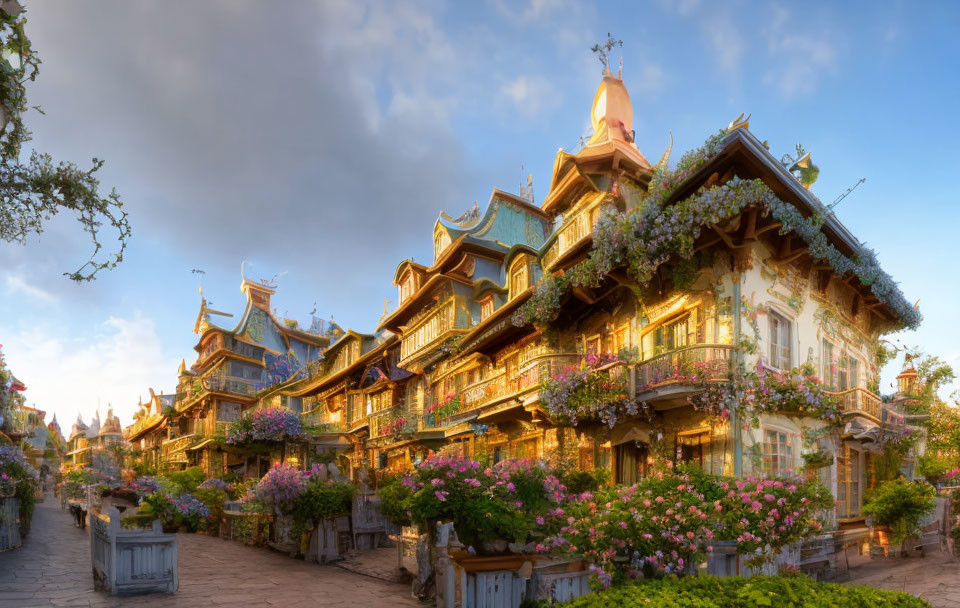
<point x="274" y="424"/>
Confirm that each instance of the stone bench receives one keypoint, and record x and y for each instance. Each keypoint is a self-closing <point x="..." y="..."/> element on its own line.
<point x="131" y="560"/>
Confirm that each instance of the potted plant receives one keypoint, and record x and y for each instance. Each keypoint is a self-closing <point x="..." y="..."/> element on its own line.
<point x="898" y="506"/>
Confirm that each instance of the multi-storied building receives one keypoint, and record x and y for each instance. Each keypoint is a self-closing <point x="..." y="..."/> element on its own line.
<point x="85" y="442"/>
<point x="234" y="366"/>
<point x="685" y="290"/>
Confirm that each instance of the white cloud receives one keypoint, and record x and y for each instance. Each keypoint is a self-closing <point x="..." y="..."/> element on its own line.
<point x="530" y="95"/>
<point x="726" y="43"/>
<point x="802" y="58"/>
<point x="66" y="372"/>
<point x="17" y="284"/>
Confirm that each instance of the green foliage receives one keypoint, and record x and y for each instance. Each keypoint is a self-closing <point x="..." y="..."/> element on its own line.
<point x="144" y="470"/>
<point x="321" y="500"/>
<point x="899" y="505"/>
<point x="32" y="192"/>
<point x="214" y="500"/>
<point x="27" y="493"/>
<point x="932" y="466"/>
<point x="395" y="501"/>
<point x="736" y="592"/>
<point x="578" y="482"/>
<point x="183" y="482"/>
<point x="138" y="520"/>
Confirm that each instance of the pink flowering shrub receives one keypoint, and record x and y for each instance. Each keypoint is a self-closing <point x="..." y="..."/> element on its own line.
<point x="765" y="514"/>
<point x="657" y="527"/>
<point x="514" y="500"/>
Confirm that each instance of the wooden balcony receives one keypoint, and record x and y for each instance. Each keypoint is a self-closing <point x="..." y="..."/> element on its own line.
<point x="573" y="232"/>
<point x="860" y="401"/>
<point x="172" y="450"/>
<point x="688" y="365"/>
<point x="429" y="330"/>
<point x="537" y="369"/>
<point x="480" y="392"/>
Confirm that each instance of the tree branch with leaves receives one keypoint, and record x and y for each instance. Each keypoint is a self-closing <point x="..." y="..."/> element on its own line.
<point x="32" y="192"/>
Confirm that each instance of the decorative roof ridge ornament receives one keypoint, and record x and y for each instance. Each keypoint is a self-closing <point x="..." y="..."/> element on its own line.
<point x="467" y="219"/>
<point x="801" y="167"/>
<point x="740" y="122"/>
<point x="665" y="159"/>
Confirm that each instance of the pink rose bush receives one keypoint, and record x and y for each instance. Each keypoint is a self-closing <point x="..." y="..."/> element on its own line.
<point x="665" y="525"/>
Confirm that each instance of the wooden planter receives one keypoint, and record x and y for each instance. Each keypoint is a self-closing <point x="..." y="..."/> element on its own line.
<point x="9" y="525"/>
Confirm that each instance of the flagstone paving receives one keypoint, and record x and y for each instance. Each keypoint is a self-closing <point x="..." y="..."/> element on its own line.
<point x="935" y="578"/>
<point x="53" y="569"/>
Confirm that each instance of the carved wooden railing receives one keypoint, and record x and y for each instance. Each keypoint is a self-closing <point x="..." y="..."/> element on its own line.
<point x="570" y="234"/>
<point x="859" y="401"/>
<point x="429" y="330"/>
<point x="542" y="367"/>
<point x="480" y="392"/>
<point x="700" y="363"/>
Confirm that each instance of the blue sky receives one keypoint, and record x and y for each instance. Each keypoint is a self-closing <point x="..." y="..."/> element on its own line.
<point x="320" y="141"/>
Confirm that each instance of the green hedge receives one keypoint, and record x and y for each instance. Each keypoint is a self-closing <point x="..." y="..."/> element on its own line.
<point x="791" y="591"/>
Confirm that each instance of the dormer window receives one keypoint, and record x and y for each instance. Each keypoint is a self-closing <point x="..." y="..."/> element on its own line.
<point x="519" y="277"/>
<point x="486" y="307"/>
<point x="407" y="287"/>
<point x="440" y="241"/>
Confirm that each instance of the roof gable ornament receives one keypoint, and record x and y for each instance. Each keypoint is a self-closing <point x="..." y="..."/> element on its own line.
<point x="801" y="167"/>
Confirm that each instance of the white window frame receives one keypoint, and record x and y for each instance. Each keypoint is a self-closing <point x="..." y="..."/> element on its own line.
<point x="777" y="340"/>
<point x="784" y="455"/>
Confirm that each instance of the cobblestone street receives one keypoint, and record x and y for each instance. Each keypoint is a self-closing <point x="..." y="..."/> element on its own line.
<point x="53" y="569"/>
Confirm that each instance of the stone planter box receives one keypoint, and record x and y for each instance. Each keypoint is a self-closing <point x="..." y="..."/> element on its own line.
<point x="131" y="560"/>
<point x="9" y="525"/>
<point x="330" y="540"/>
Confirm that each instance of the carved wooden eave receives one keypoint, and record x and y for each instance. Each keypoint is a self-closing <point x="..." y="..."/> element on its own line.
<point x="743" y="155"/>
<point x="323" y="382"/>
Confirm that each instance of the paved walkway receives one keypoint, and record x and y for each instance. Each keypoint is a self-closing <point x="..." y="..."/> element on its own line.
<point x="53" y="569"/>
<point x="935" y="578"/>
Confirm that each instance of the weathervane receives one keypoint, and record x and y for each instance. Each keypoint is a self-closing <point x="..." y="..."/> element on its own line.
<point x="603" y="52"/>
<point x="201" y="273"/>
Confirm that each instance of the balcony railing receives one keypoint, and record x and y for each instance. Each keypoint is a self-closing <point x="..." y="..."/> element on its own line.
<point x="172" y="447"/>
<point x="692" y="364"/>
<point x="480" y="392"/>
<point x="571" y="233"/>
<point x="542" y="367"/>
<point x="430" y="329"/>
<point x="859" y="401"/>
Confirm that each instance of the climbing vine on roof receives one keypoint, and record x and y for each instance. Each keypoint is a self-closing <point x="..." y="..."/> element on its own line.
<point x="33" y="191"/>
<point x="647" y="237"/>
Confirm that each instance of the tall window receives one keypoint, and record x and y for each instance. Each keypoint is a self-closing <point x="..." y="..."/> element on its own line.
<point x="779" y="341"/>
<point x="826" y="363"/>
<point x="848" y="376"/>
<point x="671" y="335"/>
<point x="486" y="307"/>
<point x="848" y="482"/>
<point x="777" y="453"/>
<point x="518" y="279"/>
